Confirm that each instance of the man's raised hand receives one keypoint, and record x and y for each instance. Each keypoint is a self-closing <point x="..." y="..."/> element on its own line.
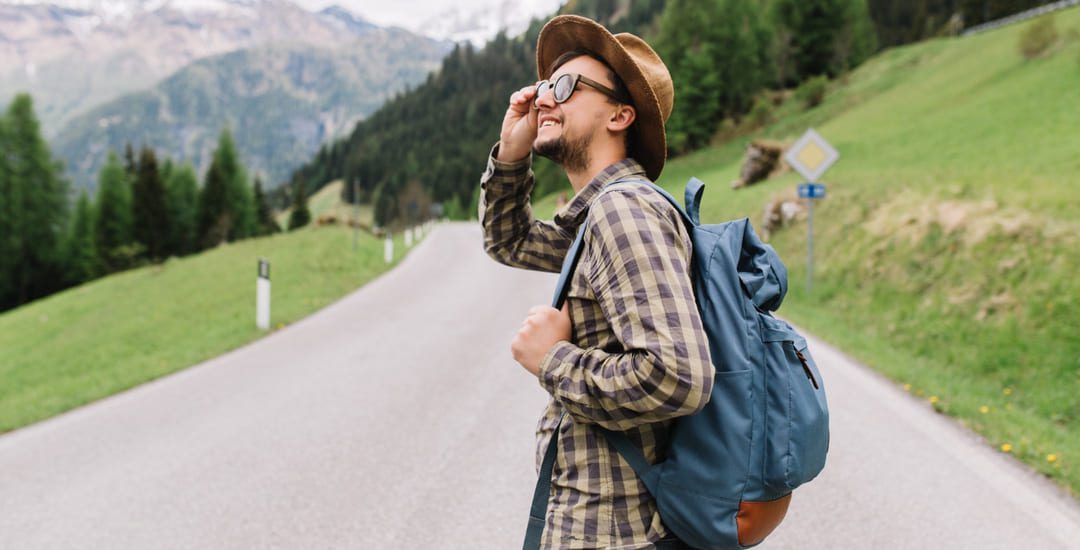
<point x="519" y="126"/>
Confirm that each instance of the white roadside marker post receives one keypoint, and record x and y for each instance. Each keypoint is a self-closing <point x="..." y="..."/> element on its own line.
<point x="262" y="296"/>
<point x="388" y="248"/>
<point x="356" y="216"/>
<point x="408" y="237"/>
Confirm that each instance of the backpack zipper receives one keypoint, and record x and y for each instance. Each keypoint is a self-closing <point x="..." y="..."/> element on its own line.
<point x="806" y="368"/>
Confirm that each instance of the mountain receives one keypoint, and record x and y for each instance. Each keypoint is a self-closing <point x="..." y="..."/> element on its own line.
<point x="477" y="25"/>
<point x="347" y="20"/>
<point x="74" y="56"/>
<point x="280" y="102"/>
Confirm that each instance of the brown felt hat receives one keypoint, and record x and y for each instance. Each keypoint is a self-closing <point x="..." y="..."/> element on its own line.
<point x="643" y="72"/>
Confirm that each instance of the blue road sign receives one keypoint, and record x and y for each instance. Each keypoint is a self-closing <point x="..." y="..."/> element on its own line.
<point x="811" y="191"/>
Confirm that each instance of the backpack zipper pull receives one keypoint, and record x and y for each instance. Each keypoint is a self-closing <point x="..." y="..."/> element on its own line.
<point x="806" y="369"/>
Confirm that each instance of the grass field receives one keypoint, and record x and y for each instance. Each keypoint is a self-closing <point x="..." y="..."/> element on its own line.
<point x="117" y="332"/>
<point x="327" y="202"/>
<point x="947" y="250"/>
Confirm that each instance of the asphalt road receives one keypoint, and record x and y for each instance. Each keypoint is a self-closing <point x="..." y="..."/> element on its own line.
<point x="396" y="418"/>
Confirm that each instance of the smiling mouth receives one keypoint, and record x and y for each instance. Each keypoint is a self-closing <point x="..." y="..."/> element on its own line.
<point x="549" y="120"/>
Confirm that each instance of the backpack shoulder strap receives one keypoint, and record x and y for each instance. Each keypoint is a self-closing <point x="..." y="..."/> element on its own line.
<point x="569" y="265"/>
<point x="538" y="512"/>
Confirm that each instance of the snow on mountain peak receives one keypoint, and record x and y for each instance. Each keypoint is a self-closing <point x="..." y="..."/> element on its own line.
<point x="474" y="21"/>
<point x="483" y="20"/>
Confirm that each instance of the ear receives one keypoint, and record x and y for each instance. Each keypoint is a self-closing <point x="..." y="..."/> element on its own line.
<point x="621" y="118"/>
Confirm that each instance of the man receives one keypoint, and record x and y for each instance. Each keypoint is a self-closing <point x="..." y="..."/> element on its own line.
<point x="628" y="351"/>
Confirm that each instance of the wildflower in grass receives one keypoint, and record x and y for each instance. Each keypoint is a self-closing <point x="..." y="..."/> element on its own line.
<point x="984" y="409"/>
<point x="1006" y="447"/>
<point x="1051" y="457"/>
<point x="1007" y="391"/>
<point x="907" y="387"/>
<point x="933" y="399"/>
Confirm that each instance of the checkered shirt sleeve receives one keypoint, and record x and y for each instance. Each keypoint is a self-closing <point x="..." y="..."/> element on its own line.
<point x="511" y="235"/>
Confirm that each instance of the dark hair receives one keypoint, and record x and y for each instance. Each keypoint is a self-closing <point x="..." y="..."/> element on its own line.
<point x="617" y="84"/>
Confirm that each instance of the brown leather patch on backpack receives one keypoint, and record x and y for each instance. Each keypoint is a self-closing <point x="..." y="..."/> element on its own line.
<point x="755" y="520"/>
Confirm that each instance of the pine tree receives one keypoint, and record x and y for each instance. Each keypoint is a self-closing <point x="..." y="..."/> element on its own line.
<point x="150" y="210"/>
<point x="385" y="204"/>
<point x="37" y="198"/>
<point x="183" y="197"/>
<point x="80" y="252"/>
<point x="131" y="166"/>
<point x="165" y="172"/>
<point x="858" y="39"/>
<point x="812" y="24"/>
<point x="717" y="51"/>
<point x="242" y="202"/>
<point x="226" y="207"/>
<point x="300" y="215"/>
<point x="238" y="194"/>
<point x="7" y="220"/>
<point x="826" y="37"/>
<point x="214" y="219"/>
<point x="265" y="218"/>
<point x="113" y="215"/>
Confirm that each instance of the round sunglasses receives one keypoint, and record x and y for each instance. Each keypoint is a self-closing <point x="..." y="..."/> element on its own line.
<point x="565" y="85"/>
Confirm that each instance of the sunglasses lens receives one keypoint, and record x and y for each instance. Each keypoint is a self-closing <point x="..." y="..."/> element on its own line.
<point x="542" y="88"/>
<point x="564" y="86"/>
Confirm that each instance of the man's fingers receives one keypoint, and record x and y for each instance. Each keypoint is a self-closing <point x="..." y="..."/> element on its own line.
<point x="523" y="95"/>
<point x="533" y="115"/>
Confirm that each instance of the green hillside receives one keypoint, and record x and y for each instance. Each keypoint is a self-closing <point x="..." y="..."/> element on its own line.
<point x="114" y="333"/>
<point x="946" y="250"/>
<point x="327" y="201"/>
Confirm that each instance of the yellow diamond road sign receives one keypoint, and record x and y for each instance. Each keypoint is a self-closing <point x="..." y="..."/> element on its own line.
<point x="811" y="156"/>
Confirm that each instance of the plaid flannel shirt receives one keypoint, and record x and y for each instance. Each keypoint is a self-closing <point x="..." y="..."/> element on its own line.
<point x="638" y="355"/>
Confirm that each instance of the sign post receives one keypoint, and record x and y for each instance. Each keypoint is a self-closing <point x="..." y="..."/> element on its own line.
<point x="262" y="295"/>
<point x="811" y="156"/>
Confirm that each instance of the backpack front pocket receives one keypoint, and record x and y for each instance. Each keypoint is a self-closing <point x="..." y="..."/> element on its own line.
<point x="797" y="415"/>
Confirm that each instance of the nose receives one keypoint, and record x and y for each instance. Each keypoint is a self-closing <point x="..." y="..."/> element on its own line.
<point x="545" y="100"/>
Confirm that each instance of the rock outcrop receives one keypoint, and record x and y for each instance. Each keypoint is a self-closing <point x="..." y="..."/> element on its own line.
<point x="761" y="162"/>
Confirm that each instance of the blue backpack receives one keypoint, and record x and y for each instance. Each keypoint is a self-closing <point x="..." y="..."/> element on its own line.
<point x="729" y="470"/>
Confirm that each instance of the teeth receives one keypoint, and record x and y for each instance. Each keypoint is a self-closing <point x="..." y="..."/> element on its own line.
<point x="547" y="123"/>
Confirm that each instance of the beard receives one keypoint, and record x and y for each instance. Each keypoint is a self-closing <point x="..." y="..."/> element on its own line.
<point x="573" y="156"/>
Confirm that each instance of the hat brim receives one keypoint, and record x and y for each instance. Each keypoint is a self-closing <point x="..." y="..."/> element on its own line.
<point x="570" y="32"/>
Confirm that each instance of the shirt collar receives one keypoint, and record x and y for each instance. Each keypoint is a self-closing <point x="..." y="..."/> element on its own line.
<point x="574" y="212"/>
